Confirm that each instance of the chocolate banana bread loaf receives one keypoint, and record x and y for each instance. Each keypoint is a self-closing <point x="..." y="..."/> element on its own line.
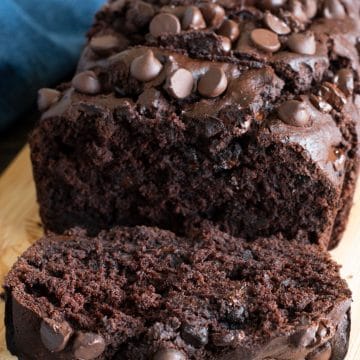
<point x="244" y="114"/>
<point x="143" y="293"/>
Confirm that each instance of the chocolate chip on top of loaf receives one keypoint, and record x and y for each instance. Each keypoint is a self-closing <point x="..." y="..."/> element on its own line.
<point x="143" y="293"/>
<point x="284" y="34"/>
<point x="241" y="113"/>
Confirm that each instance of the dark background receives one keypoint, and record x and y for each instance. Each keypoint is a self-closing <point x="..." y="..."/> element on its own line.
<point x="15" y="137"/>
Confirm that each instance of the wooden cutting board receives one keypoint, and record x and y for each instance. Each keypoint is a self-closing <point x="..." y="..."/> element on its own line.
<point x="20" y="227"/>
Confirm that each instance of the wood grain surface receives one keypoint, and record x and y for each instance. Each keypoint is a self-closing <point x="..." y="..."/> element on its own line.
<point x="13" y="138"/>
<point x="20" y="227"/>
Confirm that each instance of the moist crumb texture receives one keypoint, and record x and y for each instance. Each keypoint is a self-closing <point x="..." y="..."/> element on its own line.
<point x="143" y="293"/>
<point x="232" y="125"/>
<point x="243" y="114"/>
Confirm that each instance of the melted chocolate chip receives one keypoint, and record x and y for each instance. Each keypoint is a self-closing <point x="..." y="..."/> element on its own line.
<point x="324" y="353"/>
<point x="151" y="101"/>
<point x="104" y="44"/>
<point x="223" y="338"/>
<point x="214" y="14"/>
<point x="229" y="29"/>
<point x="46" y="98"/>
<point x="55" y="335"/>
<point x="303" y="337"/>
<point x="180" y="83"/>
<point x="88" y="346"/>
<point x="193" y="19"/>
<point x="265" y="40"/>
<point x="195" y="335"/>
<point x="334" y="9"/>
<point x="169" y="354"/>
<point x="322" y="330"/>
<point x="320" y="103"/>
<point x="164" y="23"/>
<point x="333" y="95"/>
<point x="295" y="113"/>
<point x="302" y="43"/>
<point x="87" y="83"/>
<point x="225" y="43"/>
<point x="213" y="83"/>
<point x="146" y="67"/>
<point x="275" y="24"/>
<point x="345" y="81"/>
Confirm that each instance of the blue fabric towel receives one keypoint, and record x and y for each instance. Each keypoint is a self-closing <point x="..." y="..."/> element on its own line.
<point x="40" y="42"/>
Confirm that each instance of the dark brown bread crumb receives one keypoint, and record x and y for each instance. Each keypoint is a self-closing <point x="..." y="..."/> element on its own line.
<point x="134" y="293"/>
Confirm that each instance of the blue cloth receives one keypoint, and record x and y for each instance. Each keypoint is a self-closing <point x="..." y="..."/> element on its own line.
<point x="40" y="42"/>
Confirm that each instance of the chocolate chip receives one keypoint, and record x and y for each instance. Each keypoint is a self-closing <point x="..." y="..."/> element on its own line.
<point x="138" y="15"/>
<point x="303" y="337"/>
<point x="275" y="24"/>
<point x="213" y="83"/>
<point x="334" y="9"/>
<point x="193" y="19"/>
<point x="46" y="98"/>
<point x="333" y="95"/>
<point x="225" y="43"/>
<point x="104" y="44"/>
<point x="88" y="346"/>
<point x="320" y="103"/>
<point x="195" y="335"/>
<point x="357" y="101"/>
<point x="164" y="23"/>
<point x="54" y="334"/>
<point x="86" y="82"/>
<point x="297" y="10"/>
<point x="310" y="8"/>
<point x="271" y="4"/>
<point x="214" y="14"/>
<point x="229" y="29"/>
<point x="175" y="10"/>
<point x="180" y="83"/>
<point x="145" y="10"/>
<point x="295" y="113"/>
<point x="302" y="43"/>
<point x="322" y="330"/>
<point x="345" y="81"/>
<point x="169" y="354"/>
<point x="265" y="40"/>
<point x="146" y="67"/>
